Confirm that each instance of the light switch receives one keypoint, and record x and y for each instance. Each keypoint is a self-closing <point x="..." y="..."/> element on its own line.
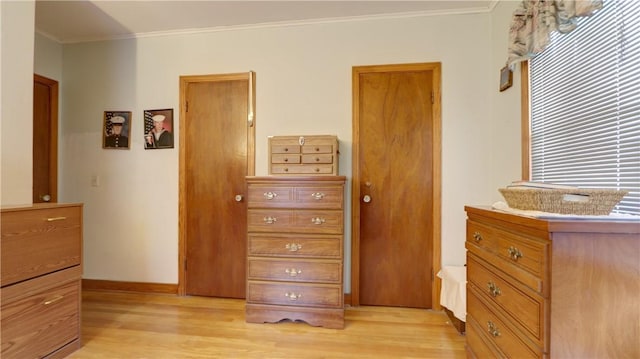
<point x="95" y="181"/>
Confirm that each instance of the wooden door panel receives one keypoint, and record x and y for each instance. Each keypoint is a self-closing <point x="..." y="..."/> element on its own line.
<point x="395" y="170"/>
<point x="215" y="166"/>
<point x="45" y="134"/>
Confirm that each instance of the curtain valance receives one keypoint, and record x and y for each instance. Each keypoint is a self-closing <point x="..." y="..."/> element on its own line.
<point x="534" y="20"/>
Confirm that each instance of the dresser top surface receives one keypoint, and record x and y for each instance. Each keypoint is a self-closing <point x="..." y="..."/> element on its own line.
<point x="574" y="224"/>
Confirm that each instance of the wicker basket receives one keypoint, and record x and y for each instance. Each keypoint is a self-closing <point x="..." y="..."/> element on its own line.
<point x="580" y="201"/>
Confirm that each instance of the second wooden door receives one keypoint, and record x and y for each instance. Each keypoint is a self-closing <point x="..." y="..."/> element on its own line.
<point x="217" y="155"/>
<point x="395" y="197"/>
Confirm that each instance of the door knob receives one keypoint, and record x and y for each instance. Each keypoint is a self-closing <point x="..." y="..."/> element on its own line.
<point x="45" y="197"/>
<point x="366" y="198"/>
<point x="238" y="198"/>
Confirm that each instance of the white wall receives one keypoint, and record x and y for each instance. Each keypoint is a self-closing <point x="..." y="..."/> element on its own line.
<point x="506" y="153"/>
<point x="303" y="87"/>
<point x="48" y="58"/>
<point x="16" y="109"/>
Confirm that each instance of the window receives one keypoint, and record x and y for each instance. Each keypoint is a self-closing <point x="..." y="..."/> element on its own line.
<point x="585" y="105"/>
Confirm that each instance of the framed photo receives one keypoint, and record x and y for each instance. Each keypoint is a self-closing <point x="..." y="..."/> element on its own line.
<point x="506" y="78"/>
<point x="116" y="130"/>
<point x="158" y="129"/>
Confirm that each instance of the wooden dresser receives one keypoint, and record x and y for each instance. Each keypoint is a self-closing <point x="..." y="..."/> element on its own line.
<point x="303" y="155"/>
<point x="295" y="249"/>
<point x="551" y="288"/>
<point x="41" y="254"/>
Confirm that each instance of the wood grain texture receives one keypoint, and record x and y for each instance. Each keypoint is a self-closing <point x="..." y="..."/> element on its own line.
<point x="288" y="277"/>
<point x="184" y="207"/>
<point x="127" y="325"/>
<point x="586" y="303"/>
<point x="216" y="141"/>
<point x="395" y="168"/>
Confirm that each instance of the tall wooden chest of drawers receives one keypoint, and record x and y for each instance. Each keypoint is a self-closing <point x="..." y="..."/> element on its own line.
<point x="551" y="288"/>
<point x="295" y="249"/>
<point x="303" y="155"/>
<point x="41" y="278"/>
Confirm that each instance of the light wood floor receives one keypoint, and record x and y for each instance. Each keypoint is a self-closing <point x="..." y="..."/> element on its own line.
<point x="131" y="325"/>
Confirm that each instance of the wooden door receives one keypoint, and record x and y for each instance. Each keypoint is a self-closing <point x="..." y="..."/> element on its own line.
<point x="216" y="156"/>
<point x="45" y="139"/>
<point x="395" y="185"/>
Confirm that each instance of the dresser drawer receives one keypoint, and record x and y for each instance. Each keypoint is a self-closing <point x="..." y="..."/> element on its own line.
<point x="481" y="236"/>
<point x="37" y="242"/>
<point x="295" y="246"/>
<point x="478" y="343"/>
<point x="303" y="169"/>
<point x="309" y="295"/>
<point x="291" y="221"/>
<point x="41" y="322"/>
<point x="271" y="196"/>
<point x="317" y="158"/>
<point x="312" y="271"/>
<point x="285" y="158"/>
<point x="523" y="253"/>
<point x="496" y="331"/>
<point x="318" y="148"/>
<point x="518" y="256"/>
<point x="290" y="146"/>
<point x="525" y="307"/>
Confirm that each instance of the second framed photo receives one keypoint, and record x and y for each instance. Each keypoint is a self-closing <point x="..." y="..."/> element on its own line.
<point x="158" y="129"/>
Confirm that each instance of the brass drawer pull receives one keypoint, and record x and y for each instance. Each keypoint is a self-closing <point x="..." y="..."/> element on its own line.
<point x="269" y="220"/>
<point x="477" y="236"/>
<point x="317" y="220"/>
<point x="492" y="329"/>
<point x="293" y="247"/>
<point x="292" y="296"/>
<point x="53" y="300"/>
<point x="53" y="219"/>
<point x="494" y="290"/>
<point x="293" y="272"/>
<point x="270" y="195"/>
<point x="514" y="253"/>
<point x="317" y="195"/>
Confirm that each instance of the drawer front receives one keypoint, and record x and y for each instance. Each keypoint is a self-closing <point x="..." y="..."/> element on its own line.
<point x="294" y="270"/>
<point x="270" y="196"/>
<point x="317" y="158"/>
<point x="285" y="158"/>
<point x="39" y="241"/>
<point x="283" y="147"/>
<point x="318" y="148"/>
<point x="304" y="295"/>
<point x="320" y="197"/>
<point x="35" y="326"/>
<point x="517" y="256"/>
<point x="291" y="221"/>
<point x="522" y="253"/>
<point x="497" y="332"/>
<point x="477" y="341"/>
<point x="295" y="246"/>
<point x="524" y="307"/>
<point x="481" y="237"/>
<point x="302" y="169"/>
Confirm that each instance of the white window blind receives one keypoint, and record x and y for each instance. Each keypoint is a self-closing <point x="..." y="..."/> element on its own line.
<point x="585" y="105"/>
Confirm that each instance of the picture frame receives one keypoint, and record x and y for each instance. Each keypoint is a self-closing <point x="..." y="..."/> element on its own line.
<point x="116" y="130"/>
<point x="158" y="129"/>
<point x="506" y="78"/>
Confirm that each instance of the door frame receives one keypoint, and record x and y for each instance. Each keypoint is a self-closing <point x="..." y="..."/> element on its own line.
<point x="53" y="133"/>
<point x="436" y="141"/>
<point x="182" y="175"/>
